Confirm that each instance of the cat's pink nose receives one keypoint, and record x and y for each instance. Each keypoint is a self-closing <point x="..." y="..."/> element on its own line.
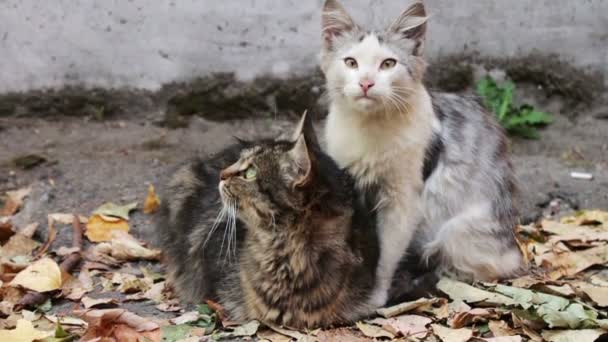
<point x="365" y="85"/>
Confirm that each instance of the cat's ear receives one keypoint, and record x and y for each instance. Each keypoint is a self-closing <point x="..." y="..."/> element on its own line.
<point x="300" y="155"/>
<point x="306" y="128"/>
<point x="335" y="21"/>
<point x="411" y="24"/>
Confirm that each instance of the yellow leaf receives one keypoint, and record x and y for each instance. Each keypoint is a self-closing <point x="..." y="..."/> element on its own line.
<point x="42" y="276"/>
<point x="152" y="202"/>
<point x="589" y="217"/>
<point x="99" y="229"/>
<point x="24" y="332"/>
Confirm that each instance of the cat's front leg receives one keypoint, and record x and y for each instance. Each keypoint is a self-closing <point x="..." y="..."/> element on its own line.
<point x="397" y="222"/>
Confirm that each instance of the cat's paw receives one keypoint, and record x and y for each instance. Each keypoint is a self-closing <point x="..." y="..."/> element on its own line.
<point x="379" y="297"/>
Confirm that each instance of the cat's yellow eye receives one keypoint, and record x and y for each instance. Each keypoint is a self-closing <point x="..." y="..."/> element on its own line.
<point x="350" y="62"/>
<point x="250" y="173"/>
<point x="388" y="63"/>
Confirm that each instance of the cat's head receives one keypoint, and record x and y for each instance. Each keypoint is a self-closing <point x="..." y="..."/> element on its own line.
<point x="373" y="71"/>
<point x="273" y="178"/>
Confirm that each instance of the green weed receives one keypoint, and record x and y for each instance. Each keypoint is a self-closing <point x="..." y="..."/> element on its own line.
<point x="522" y="121"/>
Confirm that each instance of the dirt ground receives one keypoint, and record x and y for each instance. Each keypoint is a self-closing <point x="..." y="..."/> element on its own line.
<point x="91" y="162"/>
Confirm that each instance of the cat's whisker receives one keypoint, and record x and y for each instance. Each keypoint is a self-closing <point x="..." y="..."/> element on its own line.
<point x="233" y="232"/>
<point x="216" y="223"/>
<point x="230" y="230"/>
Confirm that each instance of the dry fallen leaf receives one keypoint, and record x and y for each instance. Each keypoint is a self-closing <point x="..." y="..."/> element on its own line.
<point x="89" y="302"/>
<point x="515" y="338"/>
<point x="452" y="335"/>
<point x="373" y="331"/>
<point x="570" y="232"/>
<point x="18" y="244"/>
<point x="104" y="323"/>
<point x="24" y="332"/>
<point x="152" y="202"/>
<point x="406" y="325"/>
<point x="573" y="335"/>
<point x="272" y="336"/>
<point x="500" y="328"/>
<point x="187" y="317"/>
<point x="476" y="315"/>
<point x="14" y="201"/>
<point x="588" y="217"/>
<point x="29" y="230"/>
<point x="6" y="230"/>
<point x="571" y="263"/>
<point x="100" y="228"/>
<point x="115" y="210"/>
<point x="598" y="294"/>
<point x="125" y="247"/>
<point x="42" y="276"/>
<point x="66" y="218"/>
<point x="460" y="291"/>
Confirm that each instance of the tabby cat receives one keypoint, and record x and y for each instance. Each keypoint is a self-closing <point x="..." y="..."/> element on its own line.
<point x="440" y="162"/>
<point x="293" y="244"/>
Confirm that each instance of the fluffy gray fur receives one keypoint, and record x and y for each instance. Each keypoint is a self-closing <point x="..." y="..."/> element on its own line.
<point x="440" y="161"/>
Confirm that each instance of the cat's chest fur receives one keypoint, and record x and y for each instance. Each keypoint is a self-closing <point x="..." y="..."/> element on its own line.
<point x="387" y="152"/>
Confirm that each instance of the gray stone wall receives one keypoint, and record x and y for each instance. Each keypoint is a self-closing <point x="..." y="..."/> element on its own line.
<point x="144" y="44"/>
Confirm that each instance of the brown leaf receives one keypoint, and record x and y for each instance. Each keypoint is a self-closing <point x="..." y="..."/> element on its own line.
<point x="126" y="247"/>
<point x="76" y="288"/>
<point x="18" y="244"/>
<point x="29" y="230"/>
<point x="103" y="323"/>
<point x="452" y="335"/>
<point x="14" y="201"/>
<point x="89" y="302"/>
<point x="292" y="334"/>
<point x="51" y="235"/>
<point x="100" y="228"/>
<point x="373" y="331"/>
<point x="571" y="263"/>
<point x="406" y="325"/>
<point x="598" y="294"/>
<point x="123" y="247"/>
<point x="125" y="333"/>
<point x="500" y="328"/>
<point x="463" y="319"/>
<point x="6" y="230"/>
<point x="527" y="327"/>
<point x="152" y="202"/>
<point x="340" y="335"/>
<point x="272" y="336"/>
<point x="570" y="232"/>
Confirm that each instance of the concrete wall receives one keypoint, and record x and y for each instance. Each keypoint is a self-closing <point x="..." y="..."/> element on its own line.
<point x="145" y="43"/>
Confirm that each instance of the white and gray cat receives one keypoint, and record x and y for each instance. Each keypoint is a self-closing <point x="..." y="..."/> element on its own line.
<point x="438" y="162"/>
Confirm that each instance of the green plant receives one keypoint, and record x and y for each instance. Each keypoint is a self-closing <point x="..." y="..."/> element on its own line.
<point x="521" y="121"/>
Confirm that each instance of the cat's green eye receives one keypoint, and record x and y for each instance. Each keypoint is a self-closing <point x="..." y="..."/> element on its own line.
<point x="388" y="63"/>
<point x="350" y="62"/>
<point x="250" y="173"/>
